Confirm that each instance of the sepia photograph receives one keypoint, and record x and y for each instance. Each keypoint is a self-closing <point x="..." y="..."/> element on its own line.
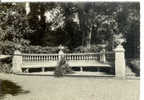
<point x="70" y="51"/>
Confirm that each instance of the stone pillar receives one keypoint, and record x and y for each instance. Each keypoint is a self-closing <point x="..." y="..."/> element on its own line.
<point x="120" y="65"/>
<point x="102" y="57"/>
<point x="17" y="62"/>
<point x="27" y="8"/>
<point x="61" y="53"/>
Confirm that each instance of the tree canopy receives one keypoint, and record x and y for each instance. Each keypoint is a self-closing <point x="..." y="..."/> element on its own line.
<point x="72" y="24"/>
<point x="14" y="27"/>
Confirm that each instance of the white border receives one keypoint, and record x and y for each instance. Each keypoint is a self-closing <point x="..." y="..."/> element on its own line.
<point x="70" y="0"/>
<point x="141" y="29"/>
<point x="142" y="50"/>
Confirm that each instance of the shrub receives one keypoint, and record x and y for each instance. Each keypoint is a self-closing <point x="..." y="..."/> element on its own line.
<point x="67" y="69"/>
<point x="94" y="48"/>
<point x="40" y="49"/>
<point x="62" y="68"/>
<point x="134" y="64"/>
<point x="5" y="68"/>
<point x="5" y="65"/>
<point x="59" y="71"/>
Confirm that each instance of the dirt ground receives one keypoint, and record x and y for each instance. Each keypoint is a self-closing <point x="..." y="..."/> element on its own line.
<point x="74" y="88"/>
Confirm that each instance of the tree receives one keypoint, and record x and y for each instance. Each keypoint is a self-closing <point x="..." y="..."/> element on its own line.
<point x="129" y="22"/>
<point x="14" y="28"/>
<point x="96" y="21"/>
<point x="57" y="27"/>
<point x="75" y="24"/>
<point x="104" y="21"/>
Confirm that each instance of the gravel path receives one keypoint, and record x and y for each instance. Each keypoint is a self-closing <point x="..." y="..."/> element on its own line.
<point x="74" y="88"/>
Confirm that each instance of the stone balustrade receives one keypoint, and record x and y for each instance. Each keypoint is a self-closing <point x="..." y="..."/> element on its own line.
<point x="19" y="59"/>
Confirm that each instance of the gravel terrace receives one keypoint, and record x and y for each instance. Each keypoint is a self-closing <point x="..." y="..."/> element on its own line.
<point x="74" y="88"/>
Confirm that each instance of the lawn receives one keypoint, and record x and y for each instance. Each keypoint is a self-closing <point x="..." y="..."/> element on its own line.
<point x="73" y="88"/>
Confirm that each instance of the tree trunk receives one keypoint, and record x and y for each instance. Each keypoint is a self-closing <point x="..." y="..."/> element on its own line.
<point x="88" y="43"/>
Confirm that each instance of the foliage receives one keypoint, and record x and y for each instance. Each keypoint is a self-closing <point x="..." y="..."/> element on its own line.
<point x="62" y="68"/>
<point x="14" y="27"/>
<point x="5" y="68"/>
<point x="87" y="24"/>
<point x="71" y="24"/>
<point x="6" y="65"/>
<point x="40" y="49"/>
<point x="134" y="64"/>
<point x="93" y="48"/>
<point x="58" y="71"/>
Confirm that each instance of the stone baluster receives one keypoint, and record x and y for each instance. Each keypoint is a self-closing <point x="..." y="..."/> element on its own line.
<point x="82" y="57"/>
<point x="48" y="57"/>
<point x="81" y="69"/>
<point x="69" y="57"/>
<point x="30" y="58"/>
<point x="44" y="58"/>
<point x="78" y="57"/>
<point x="36" y="58"/>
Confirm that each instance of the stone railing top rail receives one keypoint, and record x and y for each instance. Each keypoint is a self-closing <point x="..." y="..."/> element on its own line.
<point x="26" y="54"/>
<point x="55" y="54"/>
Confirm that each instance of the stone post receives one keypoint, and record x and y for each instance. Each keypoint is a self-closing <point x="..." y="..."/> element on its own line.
<point x="120" y="65"/>
<point x="27" y="8"/>
<point x="61" y="53"/>
<point x="17" y="62"/>
<point x="102" y="57"/>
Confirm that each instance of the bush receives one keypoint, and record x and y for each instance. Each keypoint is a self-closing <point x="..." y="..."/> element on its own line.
<point x="94" y="48"/>
<point x="40" y="49"/>
<point x="5" y="68"/>
<point x="59" y="71"/>
<point x="134" y="64"/>
<point x="9" y="48"/>
<point x="5" y="65"/>
<point x="62" y="68"/>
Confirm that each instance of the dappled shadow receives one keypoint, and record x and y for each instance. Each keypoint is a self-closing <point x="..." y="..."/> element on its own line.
<point x="8" y="87"/>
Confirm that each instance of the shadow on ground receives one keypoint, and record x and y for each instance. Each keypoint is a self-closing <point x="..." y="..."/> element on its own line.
<point x="8" y="87"/>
